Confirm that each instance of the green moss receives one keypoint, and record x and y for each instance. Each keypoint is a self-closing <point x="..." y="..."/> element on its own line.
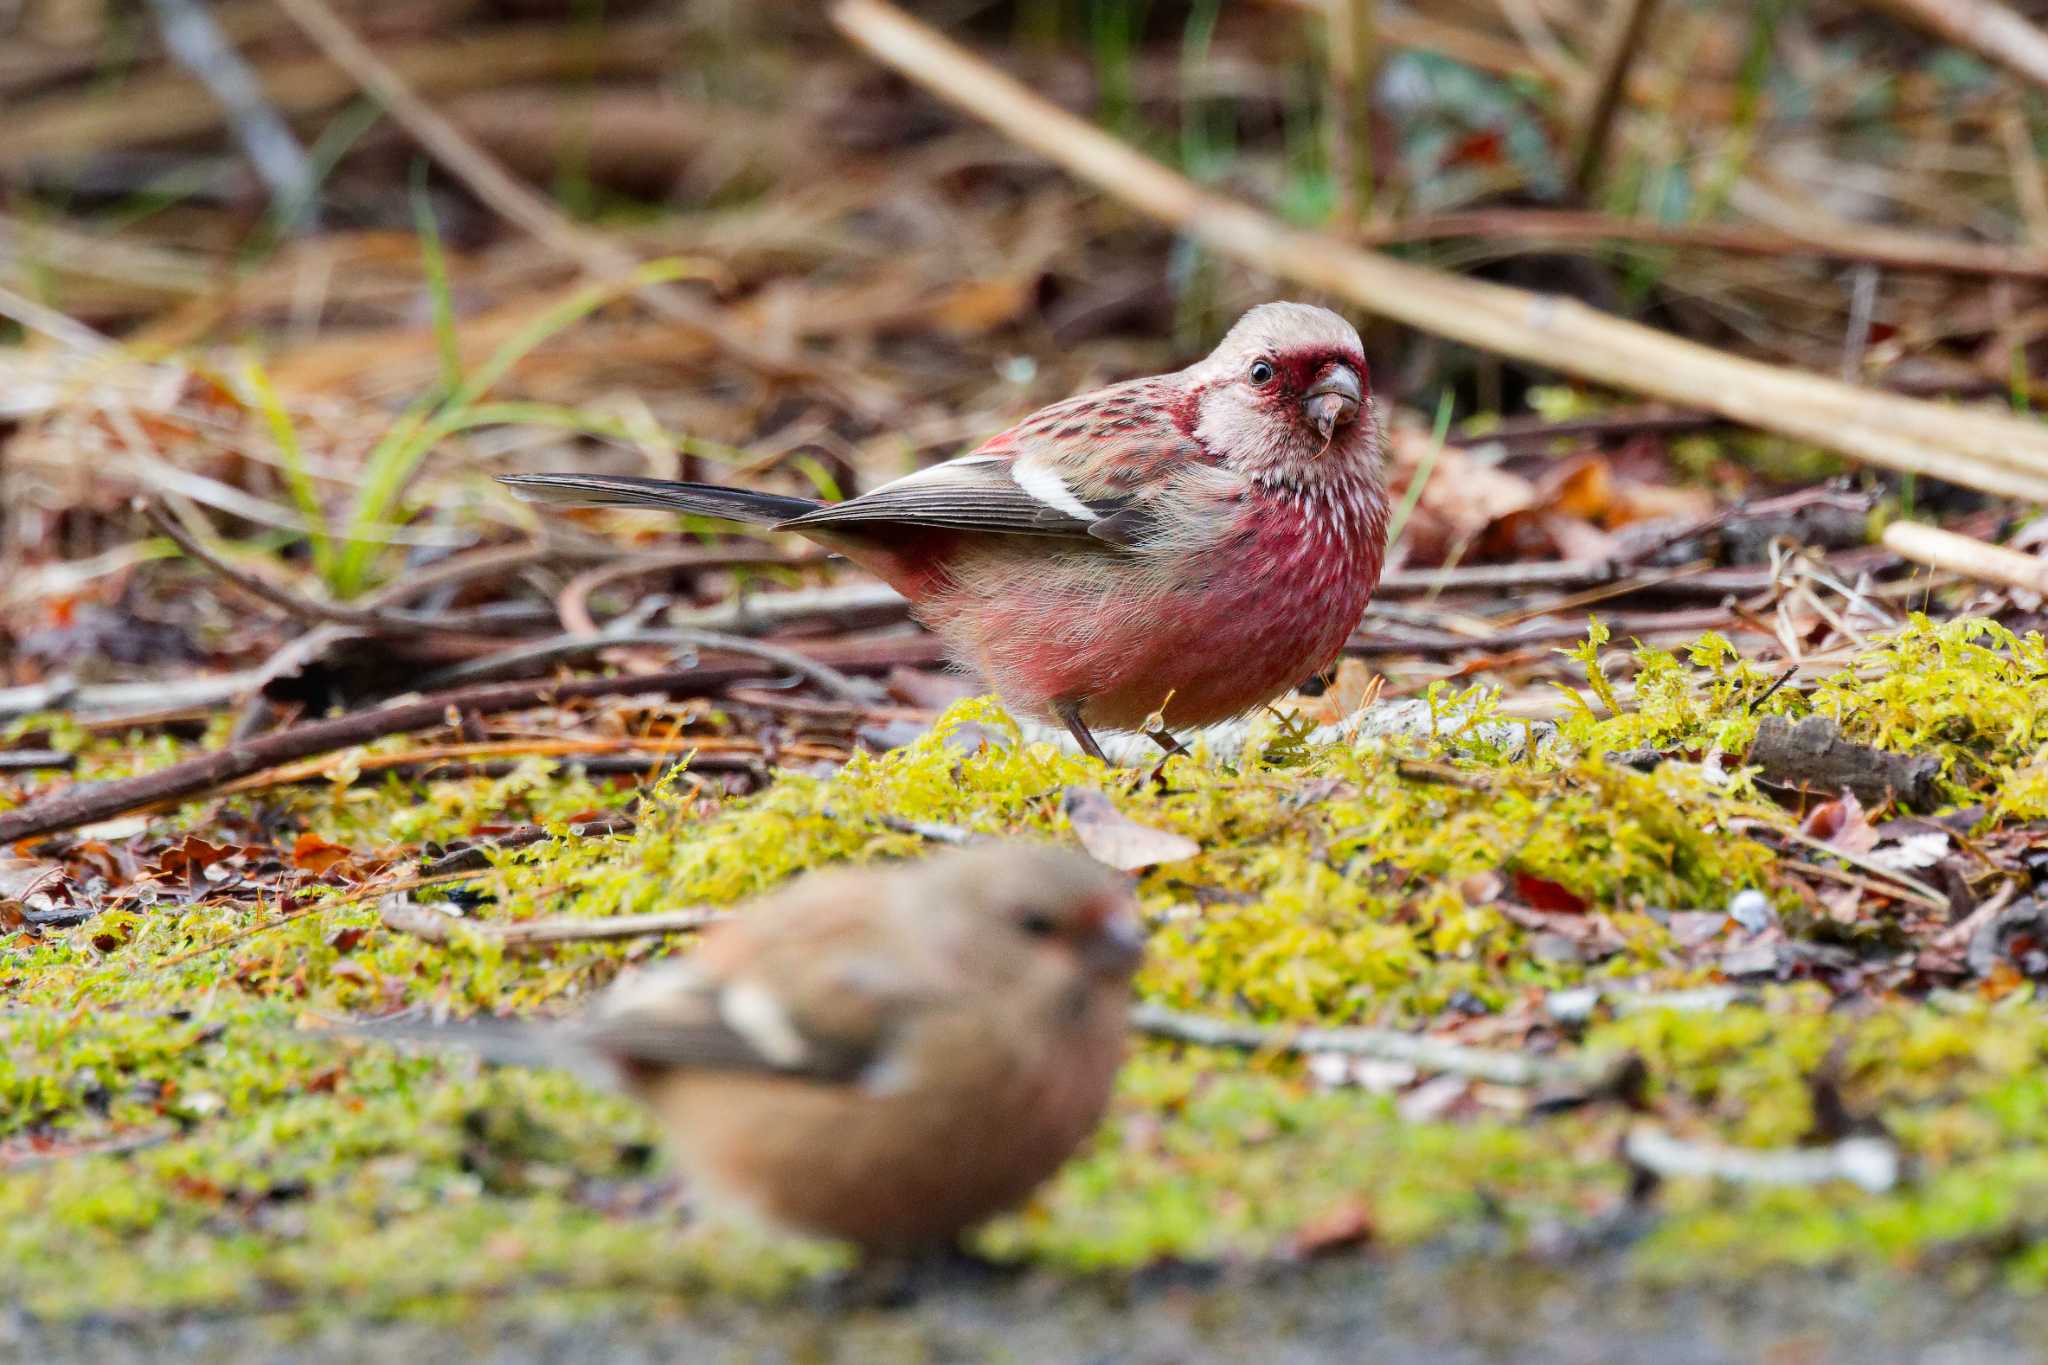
<point x="1337" y="883"/>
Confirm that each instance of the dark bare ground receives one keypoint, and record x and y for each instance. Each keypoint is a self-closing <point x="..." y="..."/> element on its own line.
<point x="1430" y="1309"/>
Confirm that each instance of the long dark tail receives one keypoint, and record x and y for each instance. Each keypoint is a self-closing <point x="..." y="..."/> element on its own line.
<point x="698" y="499"/>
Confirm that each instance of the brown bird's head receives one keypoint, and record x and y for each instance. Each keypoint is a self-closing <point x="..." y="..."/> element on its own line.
<point x="1063" y="909"/>
<point x="1285" y="391"/>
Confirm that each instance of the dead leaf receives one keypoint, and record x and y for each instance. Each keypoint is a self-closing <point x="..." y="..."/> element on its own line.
<point x="1114" y="839"/>
<point x="21" y="878"/>
<point x="1482" y="888"/>
<point x="1540" y="893"/>
<point x="1841" y="824"/>
<point x="191" y="856"/>
<point x="1691" y="928"/>
<point x="315" y="855"/>
<point x="1345" y="1226"/>
<point x="973" y="308"/>
<point x="1464" y="495"/>
<point x="1581" y="488"/>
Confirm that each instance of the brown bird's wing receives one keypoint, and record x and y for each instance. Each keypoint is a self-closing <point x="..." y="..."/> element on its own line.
<point x="1085" y="468"/>
<point x="818" y="1003"/>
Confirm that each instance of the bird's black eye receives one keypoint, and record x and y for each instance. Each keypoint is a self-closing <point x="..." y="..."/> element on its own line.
<point x="1038" y="925"/>
<point x="1262" y="372"/>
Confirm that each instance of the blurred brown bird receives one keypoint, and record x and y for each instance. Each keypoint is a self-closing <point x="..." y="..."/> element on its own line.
<point x="885" y="1056"/>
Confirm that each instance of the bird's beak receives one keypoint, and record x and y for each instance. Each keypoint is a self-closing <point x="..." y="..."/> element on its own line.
<point x="1116" y="947"/>
<point x="1333" y="400"/>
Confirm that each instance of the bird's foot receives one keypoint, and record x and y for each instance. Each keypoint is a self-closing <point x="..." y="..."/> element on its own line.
<point x="899" y="1281"/>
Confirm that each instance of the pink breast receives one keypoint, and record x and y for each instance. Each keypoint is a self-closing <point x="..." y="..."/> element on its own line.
<point x="1269" y="608"/>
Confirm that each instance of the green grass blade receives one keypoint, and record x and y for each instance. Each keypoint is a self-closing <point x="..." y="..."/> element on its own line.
<point x="397" y="456"/>
<point x="1420" y="481"/>
<point x="292" y="457"/>
<point x="434" y="262"/>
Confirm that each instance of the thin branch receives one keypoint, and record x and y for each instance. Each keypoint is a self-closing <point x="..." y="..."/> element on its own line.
<point x="492" y="561"/>
<point x="1870" y="1162"/>
<point x="432" y="926"/>
<point x="572" y="603"/>
<point x="1386" y="1045"/>
<point x="1991" y="30"/>
<point x="1892" y="250"/>
<point x="841" y="603"/>
<point x="582" y="646"/>
<point x="1627" y="23"/>
<point x="1990" y="451"/>
<point x="86" y="802"/>
<point x="384" y="620"/>
<point x="1965" y="555"/>
<point x="929" y="830"/>
<point x="1354" y="52"/>
<point x="199" y="46"/>
<point x="475" y="857"/>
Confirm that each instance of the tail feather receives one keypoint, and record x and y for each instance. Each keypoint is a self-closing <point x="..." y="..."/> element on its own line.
<point x="503" y="1042"/>
<point x="698" y="499"/>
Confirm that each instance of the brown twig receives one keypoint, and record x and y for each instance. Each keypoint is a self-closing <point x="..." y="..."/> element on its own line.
<point x="1892" y="251"/>
<point x="86" y="802"/>
<point x="475" y="857"/>
<point x="572" y="603"/>
<point x="578" y="646"/>
<point x="1991" y="30"/>
<point x="1354" y="52"/>
<point x="493" y="561"/>
<point x="1989" y="451"/>
<point x="311" y="907"/>
<point x="383" y="620"/>
<point x="1627" y="22"/>
<point x="83" y="121"/>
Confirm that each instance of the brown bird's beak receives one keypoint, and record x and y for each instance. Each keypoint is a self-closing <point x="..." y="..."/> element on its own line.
<point x="1116" y="947"/>
<point x="1333" y="400"/>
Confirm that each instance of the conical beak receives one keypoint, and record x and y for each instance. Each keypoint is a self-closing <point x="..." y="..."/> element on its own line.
<point x="1333" y="399"/>
<point x="1117" y="947"/>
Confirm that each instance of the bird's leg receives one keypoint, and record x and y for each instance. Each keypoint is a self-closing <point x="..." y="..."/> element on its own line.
<point x="1069" y="713"/>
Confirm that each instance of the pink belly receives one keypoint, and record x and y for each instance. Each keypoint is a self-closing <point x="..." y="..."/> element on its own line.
<point x="1044" y="633"/>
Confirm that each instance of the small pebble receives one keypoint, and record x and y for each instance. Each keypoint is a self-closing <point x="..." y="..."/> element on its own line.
<point x="1752" y="910"/>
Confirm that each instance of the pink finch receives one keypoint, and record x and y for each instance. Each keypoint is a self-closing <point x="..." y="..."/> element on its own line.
<point x="883" y="1055"/>
<point x="1187" y="545"/>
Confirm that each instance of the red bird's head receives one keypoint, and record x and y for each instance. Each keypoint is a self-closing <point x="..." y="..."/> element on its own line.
<point x="1285" y="392"/>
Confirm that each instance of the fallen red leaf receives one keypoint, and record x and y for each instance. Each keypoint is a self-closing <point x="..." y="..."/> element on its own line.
<point x="1540" y="893"/>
